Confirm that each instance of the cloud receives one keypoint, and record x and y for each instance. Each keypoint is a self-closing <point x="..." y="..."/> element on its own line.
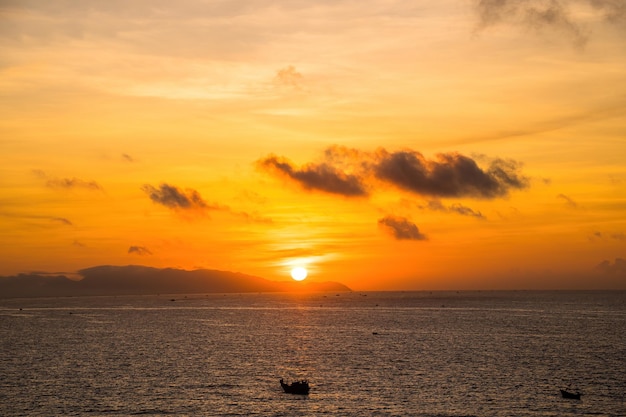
<point x="67" y="183"/>
<point x="350" y="159"/>
<point x="610" y="110"/>
<point x="596" y="235"/>
<point x="608" y="236"/>
<point x="173" y="197"/>
<point x="62" y="220"/>
<point x="73" y="183"/>
<point x="534" y="14"/>
<point x="571" y="203"/>
<point x="289" y="77"/>
<point x="251" y="196"/>
<point x="613" y="10"/>
<point x="539" y="15"/>
<point x="251" y="217"/>
<point x="320" y="177"/>
<point x="616" y="268"/>
<point x="139" y="250"/>
<point x="345" y="171"/>
<point x="449" y="175"/>
<point x="190" y="200"/>
<point x="436" y="205"/>
<point x="401" y="228"/>
<point x="127" y="157"/>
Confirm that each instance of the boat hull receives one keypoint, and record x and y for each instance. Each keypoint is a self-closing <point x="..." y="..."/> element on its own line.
<point x="570" y="395"/>
<point x="298" y="387"/>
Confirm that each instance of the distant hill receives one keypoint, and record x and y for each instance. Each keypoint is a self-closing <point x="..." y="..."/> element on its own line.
<point x="138" y="280"/>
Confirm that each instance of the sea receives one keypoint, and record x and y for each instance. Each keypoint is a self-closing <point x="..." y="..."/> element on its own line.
<point x="439" y="354"/>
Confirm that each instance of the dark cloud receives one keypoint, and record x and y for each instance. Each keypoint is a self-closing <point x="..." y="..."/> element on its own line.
<point x="616" y="268"/>
<point x="534" y="14"/>
<point x="320" y="177"/>
<point x="139" y="250"/>
<point x="436" y="205"/>
<point x="190" y="200"/>
<point x="571" y="203"/>
<point x="401" y="228"/>
<point x="127" y="157"/>
<point x="344" y="171"/>
<point x="175" y="198"/>
<point x="465" y="211"/>
<point x="540" y="15"/>
<point x="450" y="175"/>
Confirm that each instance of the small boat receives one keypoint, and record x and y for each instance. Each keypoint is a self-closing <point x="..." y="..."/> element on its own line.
<point x="570" y="395"/>
<point x="298" y="387"/>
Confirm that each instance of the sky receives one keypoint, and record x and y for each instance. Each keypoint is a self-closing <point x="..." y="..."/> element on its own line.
<point x="386" y="145"/>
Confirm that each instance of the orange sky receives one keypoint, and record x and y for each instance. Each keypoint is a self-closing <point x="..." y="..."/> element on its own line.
<point x="381" y="144"/>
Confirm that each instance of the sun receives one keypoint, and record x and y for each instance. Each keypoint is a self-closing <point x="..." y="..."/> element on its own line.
<point x="298" y="273"/>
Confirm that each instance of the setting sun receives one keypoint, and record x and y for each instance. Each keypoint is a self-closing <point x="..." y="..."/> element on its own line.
<point x="298" y="273"/>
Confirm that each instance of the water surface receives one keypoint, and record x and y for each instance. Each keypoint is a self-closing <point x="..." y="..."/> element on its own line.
<point x="365" y="354"/>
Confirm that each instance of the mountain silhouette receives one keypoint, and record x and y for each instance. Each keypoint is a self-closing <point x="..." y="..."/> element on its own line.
<point x="139" y="280"/>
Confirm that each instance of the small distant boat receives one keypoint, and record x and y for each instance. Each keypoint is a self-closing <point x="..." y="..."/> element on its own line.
<point x="298" y="387"/>
<point x="570" y="395"/>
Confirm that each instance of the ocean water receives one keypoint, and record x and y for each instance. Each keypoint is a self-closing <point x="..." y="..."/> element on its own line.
<point x="365" y="354"/>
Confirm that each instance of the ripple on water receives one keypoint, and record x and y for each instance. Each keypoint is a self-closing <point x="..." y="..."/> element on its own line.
<point x="495" y="354"/>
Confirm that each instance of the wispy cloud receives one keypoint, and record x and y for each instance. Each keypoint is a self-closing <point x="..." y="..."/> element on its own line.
<point x="401" y="228"/>
<point x="607" y="236"/>
<point x="616" y="268"/>
<point x="252" y="217"/>
<point x="595" y="113"/>
<point x="436" y="205"/>
<point x="289" y="77"/>
<point x="613" y="10"/>
<point x="126" y="157"/>
<point x="321" y="177"/>
<point x="139" y="250"/>
<point x="253" y="197"/>
<point x="54" y="219"/>
<point x="67" y="183"/>
<point x="570" y="203"/>
<point x="61" y="220"/>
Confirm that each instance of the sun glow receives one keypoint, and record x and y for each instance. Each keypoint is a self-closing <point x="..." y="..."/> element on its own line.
<point x="298" y="273"/>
